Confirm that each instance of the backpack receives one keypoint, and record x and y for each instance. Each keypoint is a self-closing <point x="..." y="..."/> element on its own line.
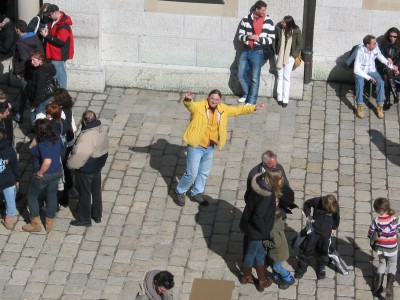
<point x="374" y="237"/>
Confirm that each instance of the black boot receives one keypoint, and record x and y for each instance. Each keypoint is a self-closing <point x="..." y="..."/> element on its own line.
<point x="394" y="91"/>
<point x="321" y="274"/>
<point x="389" y="284"/>
<point x="378" y="283"/>
<point x="386" y="104"/>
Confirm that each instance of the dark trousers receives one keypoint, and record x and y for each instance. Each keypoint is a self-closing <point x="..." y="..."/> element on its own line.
<point x="89" y="201"/>
<point x="314" y="244"/>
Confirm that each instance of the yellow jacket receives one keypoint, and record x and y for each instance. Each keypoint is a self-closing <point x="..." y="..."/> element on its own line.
<point x="199" y="120"/>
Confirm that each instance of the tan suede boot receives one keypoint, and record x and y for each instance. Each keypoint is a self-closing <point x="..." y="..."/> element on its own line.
<point x="380" y="112"/>
<point x="33" y="226"/>
<point x="8" y="222"/>
<point x="49" y="224"/>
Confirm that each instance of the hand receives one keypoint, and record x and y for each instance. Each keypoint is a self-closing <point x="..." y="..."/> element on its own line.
<point x="44" y="32"/>
<point x="188" y="96"/>
<point x="38" y="176"/>
<point x="333" y="233"/>
<point x="17" y="185"/>
<point x="389" y="61"/>
<point x="254" y="37"/>
<point x="259" y="106"/>
<point x="395" y="68"/>
<point x="372" y="80"/>
<point x="19" y="76"/>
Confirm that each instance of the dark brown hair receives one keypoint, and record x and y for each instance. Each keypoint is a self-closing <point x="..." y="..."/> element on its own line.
<point x="44" y="132"/>
<point x="383" y="205"/>
<point x="54" y="110"/>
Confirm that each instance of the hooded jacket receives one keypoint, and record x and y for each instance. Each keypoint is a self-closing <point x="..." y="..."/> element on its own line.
<point x="25" y="45"/>
<point x="90" y="151"/>
<point x="8" y="165"/>
<point x="37" y="87"/>
<point x="277" y="246"/>
<point x="259" y="213"/>
<point x="324" y="221"/>
<point x="60" y="40"/>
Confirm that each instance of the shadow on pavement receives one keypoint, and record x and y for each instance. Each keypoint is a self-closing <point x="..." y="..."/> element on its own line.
<point x="388" y="148"/>
<point x="219" y="222"/>
<point x="168" y="159"/>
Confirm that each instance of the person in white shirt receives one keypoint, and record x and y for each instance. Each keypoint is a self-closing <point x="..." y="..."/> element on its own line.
<point x="364" y="69"/>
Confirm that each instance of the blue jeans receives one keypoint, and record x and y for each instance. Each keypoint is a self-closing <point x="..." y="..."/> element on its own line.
<point x="198" y="166"/>
<point x="380" y="88"/>
<point x="61" y="74"/>
<point x="49" y="182"/>
<point x="40" y="109"/>
<point x="254" y="60"/>
<point x="278" y="269"/>
<point x="9" y="196"/>
<point x="255" y="254"/>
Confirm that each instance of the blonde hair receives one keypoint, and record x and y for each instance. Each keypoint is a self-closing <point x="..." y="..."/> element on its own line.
<point x="273" y="177"/>
<point x="330" y="203"/>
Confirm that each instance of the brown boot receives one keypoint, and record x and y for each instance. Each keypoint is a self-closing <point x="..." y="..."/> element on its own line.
<point x="360" y="111"/>
<point x="49" y="224"/>
<point x="389" y="284"/>
<point x="8" y="222"/>
<point x="379" y="111"/>
<point x="33" y="226"/>
<point x="247" y="277"/>
<point x="263" y="283"/>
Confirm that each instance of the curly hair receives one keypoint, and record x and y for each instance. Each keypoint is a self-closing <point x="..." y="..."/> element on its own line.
<point x="386" y="39"/>
<point x="63" y="98"/>
<point x="44" y="132"/>
<point x="165" y="279"/>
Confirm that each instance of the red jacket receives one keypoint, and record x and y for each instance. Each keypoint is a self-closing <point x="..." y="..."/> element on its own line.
<point x="60" y="40"/>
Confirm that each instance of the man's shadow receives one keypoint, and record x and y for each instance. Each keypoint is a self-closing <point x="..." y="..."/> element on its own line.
<point x="219" y="222"/>
<point x="168" y="159"/>
<point x="388" y="148"/>
<point x="233" y="82"/>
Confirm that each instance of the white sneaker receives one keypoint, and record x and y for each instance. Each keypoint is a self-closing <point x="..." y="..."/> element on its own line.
<point x="248" y="104"/>
<point x="241" y="100"/>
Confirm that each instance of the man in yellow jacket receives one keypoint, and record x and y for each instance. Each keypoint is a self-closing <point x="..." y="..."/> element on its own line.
<point x="207" y="128"/>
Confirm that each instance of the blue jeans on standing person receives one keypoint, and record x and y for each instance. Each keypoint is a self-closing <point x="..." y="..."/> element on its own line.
<point x="61" y="74"/>
<point x="255" y="254"/>
<point x="278" y="269"/>
<point x="40" y="109"/>
<point x="49" y="182"/>
<point x="9" y="195"/>
<point x="380" y="88"/>
<point x="253" y="59"/>
<point x="198" y="166"/>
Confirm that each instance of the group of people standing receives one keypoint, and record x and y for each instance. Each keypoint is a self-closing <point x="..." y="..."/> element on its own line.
<point x="61" y="161"/>
<point x="262" y="39"/>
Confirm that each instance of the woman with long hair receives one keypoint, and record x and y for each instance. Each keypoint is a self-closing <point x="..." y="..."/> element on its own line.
<point x="64" y="100"/>
<point x="257" y="222"/>
<point x="37" y="88"/>
<point x="40" y="21"/>
<point x="390" y="48"/>
<point x="288" y="45"/>
<point x="46" y="152"/>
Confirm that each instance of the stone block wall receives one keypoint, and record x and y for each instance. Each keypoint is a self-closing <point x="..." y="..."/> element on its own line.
<point x="339" y="25"/>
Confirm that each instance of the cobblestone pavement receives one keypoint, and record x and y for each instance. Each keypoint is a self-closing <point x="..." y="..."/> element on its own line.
<point x="321" y="144"/>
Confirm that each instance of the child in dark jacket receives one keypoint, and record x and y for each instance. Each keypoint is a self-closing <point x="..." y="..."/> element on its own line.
<point x="8" y="178"/>
<point x="326" y="217"/>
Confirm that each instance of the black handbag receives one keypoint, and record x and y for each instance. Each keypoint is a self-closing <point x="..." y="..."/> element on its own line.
<point x="51" y="85"/>
<point x="268" y="52"/>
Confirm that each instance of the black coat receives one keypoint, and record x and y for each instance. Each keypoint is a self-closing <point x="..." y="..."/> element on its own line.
<point x="8" y="165"/>
<point x="324" y="221"/>
<point x="287" y="198"/>
<point x="259" y="213"/>
<point x="22" y="56"/>
<point x="7" y="125"/>
<point x="8" y="38"/>
<point x="36" y="88"/>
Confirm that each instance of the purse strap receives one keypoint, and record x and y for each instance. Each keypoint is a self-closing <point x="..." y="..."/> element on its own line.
<point x="37" y="25"/>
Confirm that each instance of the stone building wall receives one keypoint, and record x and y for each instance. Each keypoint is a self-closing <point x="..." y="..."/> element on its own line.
<point x="118" y="43"/>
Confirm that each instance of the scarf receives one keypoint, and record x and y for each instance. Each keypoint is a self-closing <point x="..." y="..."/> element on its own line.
<point x="284" y="51"/>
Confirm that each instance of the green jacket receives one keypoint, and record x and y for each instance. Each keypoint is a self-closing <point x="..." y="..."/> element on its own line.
<point x="297" y="40"/>
<point x="277" y="245"/>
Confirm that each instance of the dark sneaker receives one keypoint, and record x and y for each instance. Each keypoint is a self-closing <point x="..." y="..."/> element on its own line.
<point x="80" y="223"/>
<point x="199" y="199"/>
<point x="298" y="274"/>
<point x="321" y="274"/>
<point x="285" y="284"/>
<point x="180" y="199"/>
